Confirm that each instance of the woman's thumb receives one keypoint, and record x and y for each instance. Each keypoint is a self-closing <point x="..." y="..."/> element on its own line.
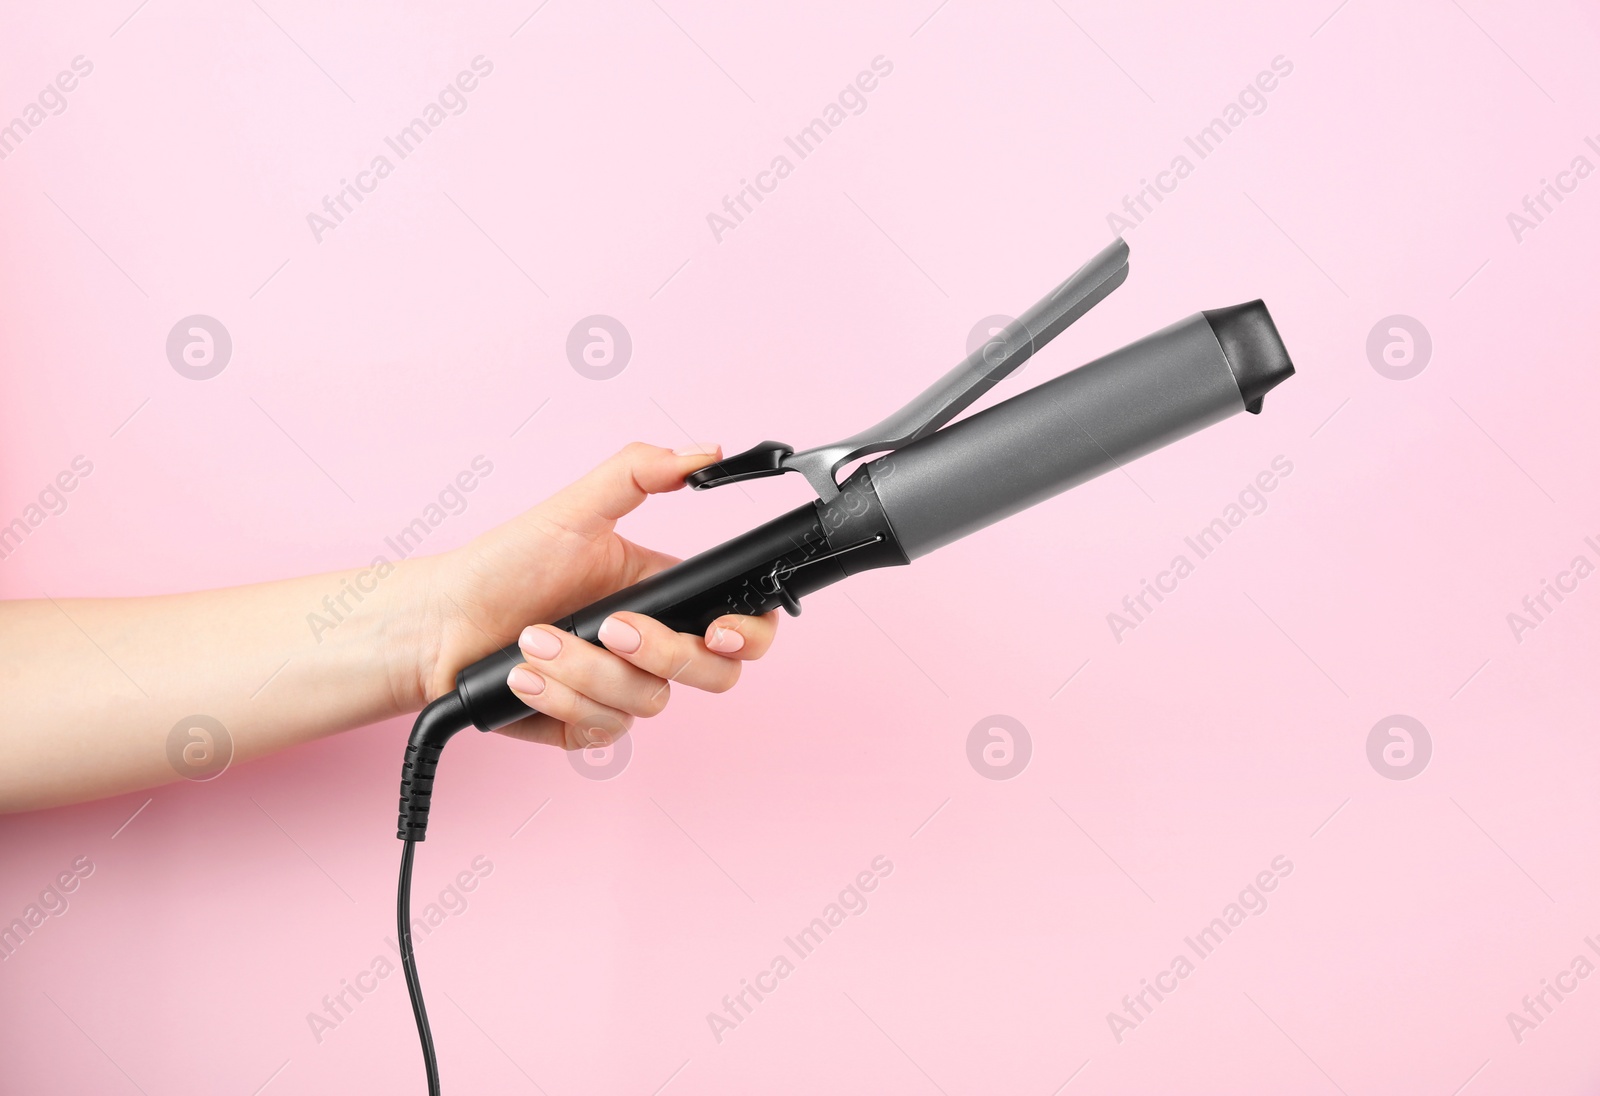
<point x="624" y="480"/>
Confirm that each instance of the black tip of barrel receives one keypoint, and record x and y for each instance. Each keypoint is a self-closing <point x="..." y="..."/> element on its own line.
<point x="1255" y="353"/>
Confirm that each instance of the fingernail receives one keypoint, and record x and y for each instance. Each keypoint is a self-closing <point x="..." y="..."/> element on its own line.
<point x="620" y="636"/>
<point x="725" y="641"/>
<point x="538" y="643"/>
<point x="525" y="681"/>
<point x="698" y="449"/>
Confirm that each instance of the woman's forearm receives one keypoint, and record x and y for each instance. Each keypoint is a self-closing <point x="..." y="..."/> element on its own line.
<point x="96" y="688"/>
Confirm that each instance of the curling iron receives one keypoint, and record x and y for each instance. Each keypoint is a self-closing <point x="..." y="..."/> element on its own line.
<point x="934" y="484"/>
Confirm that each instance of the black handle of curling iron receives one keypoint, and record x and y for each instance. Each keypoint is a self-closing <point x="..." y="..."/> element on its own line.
<point x="771" y="566"/>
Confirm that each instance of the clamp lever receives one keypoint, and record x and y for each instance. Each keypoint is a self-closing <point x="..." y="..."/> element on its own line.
<point x="761" y="460"/>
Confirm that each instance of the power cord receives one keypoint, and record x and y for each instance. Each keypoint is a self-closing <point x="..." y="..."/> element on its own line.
<point x="408" y="961"/>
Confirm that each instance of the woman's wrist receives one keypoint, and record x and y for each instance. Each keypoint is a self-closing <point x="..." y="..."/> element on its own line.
<point x="411" y="636"/>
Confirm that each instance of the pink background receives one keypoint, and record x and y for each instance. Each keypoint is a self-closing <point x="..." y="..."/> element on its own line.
<point x="1226" y="730"/>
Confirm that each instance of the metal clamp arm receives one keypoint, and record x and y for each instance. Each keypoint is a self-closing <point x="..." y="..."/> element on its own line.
<point x="945" y="398"/>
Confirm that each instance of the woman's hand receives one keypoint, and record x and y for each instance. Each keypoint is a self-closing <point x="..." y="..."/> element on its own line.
<point x="558" y="557"/>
